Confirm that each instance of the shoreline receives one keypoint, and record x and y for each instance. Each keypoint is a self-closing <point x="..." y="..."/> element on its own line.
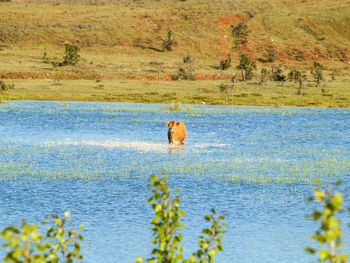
<point x="180" y="92"/>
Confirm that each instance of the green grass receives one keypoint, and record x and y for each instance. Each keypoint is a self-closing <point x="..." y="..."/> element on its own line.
<point x="187" y="92"/>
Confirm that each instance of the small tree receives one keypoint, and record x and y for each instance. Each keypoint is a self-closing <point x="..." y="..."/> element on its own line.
<point x="247" y="66"/>
<point x="329" y="235"/>
<point x="271" y="54"/>
<point x="302" y="78"/>
<point x="71" y="55"/>
<point x="166" y="222"/>
<point x="317" y="73"/>
<point x="4" y="87"/>
<point x="263" y="76"/>
<point x="225" y="63"/>
<point x="294" y="75"/>
<point x="168" y="42"/>
<point x="333" y="74"/>
<point x="210" y="240"/>
<point x="45" y="58"/>
<point x="277" y="73"/>
<point x="188" y="59"/>
<point x="240" y="32"/>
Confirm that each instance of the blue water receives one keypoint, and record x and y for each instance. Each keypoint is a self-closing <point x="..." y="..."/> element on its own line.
<point x="256" y="165"/>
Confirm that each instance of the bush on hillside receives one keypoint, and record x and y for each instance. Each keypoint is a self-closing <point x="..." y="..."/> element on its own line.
<point x="246" y="66"/>
<point x="277" y="73"/>
<point x="71" y="55"/>
<point x="240" y="32"/>
<point x="271" y="54"/>
<point x="294" y="75"/>
<point x="182" y="73"/>
<point x="263" y="76"/>
<point x="4" y="86"/>
<point x="168" y="42"/>
<point x="302" y="77"/>
<point x="317" y="73"/>
<point x="225" y="63"/>
<point x="188" y="59"/>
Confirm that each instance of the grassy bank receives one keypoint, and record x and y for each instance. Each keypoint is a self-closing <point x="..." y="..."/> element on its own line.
<point x="187" y="92"/>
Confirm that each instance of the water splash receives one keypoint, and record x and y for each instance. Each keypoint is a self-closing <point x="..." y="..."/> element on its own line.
<point x="141" y="146"/>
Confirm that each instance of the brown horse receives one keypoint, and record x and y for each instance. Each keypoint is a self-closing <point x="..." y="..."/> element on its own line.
<point x="177" y="132"/>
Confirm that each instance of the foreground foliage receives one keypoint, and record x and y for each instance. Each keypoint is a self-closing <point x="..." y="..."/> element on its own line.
<point x="166" y="223"/>
<point x="61" y="244"/>
<point x="26" y="243"/>
<point x="329" y="235"/>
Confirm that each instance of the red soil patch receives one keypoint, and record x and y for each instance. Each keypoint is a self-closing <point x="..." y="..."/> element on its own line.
<point x="168" y="78"/>
<point x="58" y="75"/>
<point x="150" y="78"/>
<point x="239" y="16"/>
<point x="225" y="21"/>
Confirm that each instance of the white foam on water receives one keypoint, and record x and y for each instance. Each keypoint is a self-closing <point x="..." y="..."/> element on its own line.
<point x="142" y="146"/>
<point x="113" y="143"/>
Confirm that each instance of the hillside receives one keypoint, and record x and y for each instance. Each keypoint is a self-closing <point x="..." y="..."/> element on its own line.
<point x="124" y="38"/>
<point x="122" y="49"/>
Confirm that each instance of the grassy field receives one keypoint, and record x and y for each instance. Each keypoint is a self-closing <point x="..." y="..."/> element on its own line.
<point x="185" y="92"/>
<point x="123" y="39"/>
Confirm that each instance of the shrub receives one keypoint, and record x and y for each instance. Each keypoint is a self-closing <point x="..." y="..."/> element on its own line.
<point x="247" y="66"/>
<point x="277" y="73"/>
<point x="168" y="42"/>
<point x="5" y="1"/>
<point x="45" y="58"/>
<point x="302" y="78"/>
<point x="4" y="87"/>
<point x="55" y="64"/>
<point x="71" y="55"/>
<point x="329" y="235"/>
<point x="166" y="222"/>
<point x="225" y="63"/>
<point x="333" y="74"/>
<point x="271" y="54"/>
<point x="240" y="32"/>
<point x="263" y="76"/>
<point x="183" y="73"/>
<point x="188" y="59"/>
<point x="317" y="73"/>
<point x="294" y="75"/>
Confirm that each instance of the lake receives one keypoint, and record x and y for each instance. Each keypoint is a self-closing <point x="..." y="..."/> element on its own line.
<point x="256" y="165"/>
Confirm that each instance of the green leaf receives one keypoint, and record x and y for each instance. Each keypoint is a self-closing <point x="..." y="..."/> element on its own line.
<point x="336" y="200"/>
<point x="319" y="194"/>
<point x="138" y="260"/>
<point x="323" y="254"/>
<point x="207" y="217"/>
<point x="153" y="178"/>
